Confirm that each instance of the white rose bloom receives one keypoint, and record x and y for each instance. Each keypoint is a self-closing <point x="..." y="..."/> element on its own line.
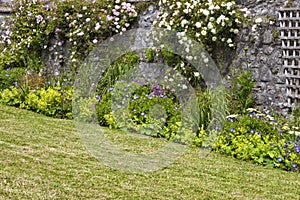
<point x="95" y="41"/>
<point x="213" y="31"/>
<point x="178" y="4"/>
<point x="196" y="74"/>
<point x="205" y="60"/>
<point x="214" y="39"/>
<point x="206" y="12"/>
<point x="210" y="25"/>
<point x="229" y="4"/>
<point x="235" y="31"/>
<point x="80" y="34"/>
<point x="183" y="22"/>
<point x="211" y="7"/>
<point x="229" y="41"/>
<point x="258" y="20"/>
<point x="198" y="24"/>
<point x="203" y="32"/>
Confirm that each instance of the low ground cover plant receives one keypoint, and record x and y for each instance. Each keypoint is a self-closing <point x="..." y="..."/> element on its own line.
<point x="260" y="138"/>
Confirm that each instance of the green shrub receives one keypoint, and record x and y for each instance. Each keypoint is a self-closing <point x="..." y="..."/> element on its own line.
<point x="54" y="102"/>
<point x="10" y="96"/>
<point x="145" y="105"/>
<point x="11" y="77"/>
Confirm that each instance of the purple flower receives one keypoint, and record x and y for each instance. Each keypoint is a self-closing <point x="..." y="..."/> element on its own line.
<point x="252" y="131"/>
<point x="279" y="159"/>
<point x="217" y="128"/>
<point x="232" y="130"/>
<point x="15" y="83"/>
<point x="294" y="165"/>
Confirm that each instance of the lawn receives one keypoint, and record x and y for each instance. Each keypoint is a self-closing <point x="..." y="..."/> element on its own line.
<point x="43" y="158"/>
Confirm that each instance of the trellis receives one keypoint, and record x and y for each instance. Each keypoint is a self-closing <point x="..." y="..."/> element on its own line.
<point x="289" y="32"/>
<point x="289" y="19"/>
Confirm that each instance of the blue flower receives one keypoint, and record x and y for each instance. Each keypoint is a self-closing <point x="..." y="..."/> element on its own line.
<point x="297" y="149"/>
<point x="252" y="131"/>
<point x="15" y="84"/>
<point x="232" y="130"/>
<point x="279" y="159"/>
<point x="217" y="128"/>
<point x="98" y="97"/>
<point x="258" y="133"/>
<point x="230" y="119"/>
<point x="286" y="144"/>
<point x="294" y="165"/>
<point x="143" y="114"/>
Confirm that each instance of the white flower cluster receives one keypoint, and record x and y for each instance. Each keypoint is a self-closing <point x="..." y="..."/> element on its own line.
<point x="81" y="24"/>
<point x="209" y="21"/>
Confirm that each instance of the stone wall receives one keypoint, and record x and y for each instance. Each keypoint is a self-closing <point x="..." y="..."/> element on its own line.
<point x="260" y="51"/>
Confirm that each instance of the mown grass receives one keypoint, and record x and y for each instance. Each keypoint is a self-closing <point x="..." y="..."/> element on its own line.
<point x="43" y="158"/>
